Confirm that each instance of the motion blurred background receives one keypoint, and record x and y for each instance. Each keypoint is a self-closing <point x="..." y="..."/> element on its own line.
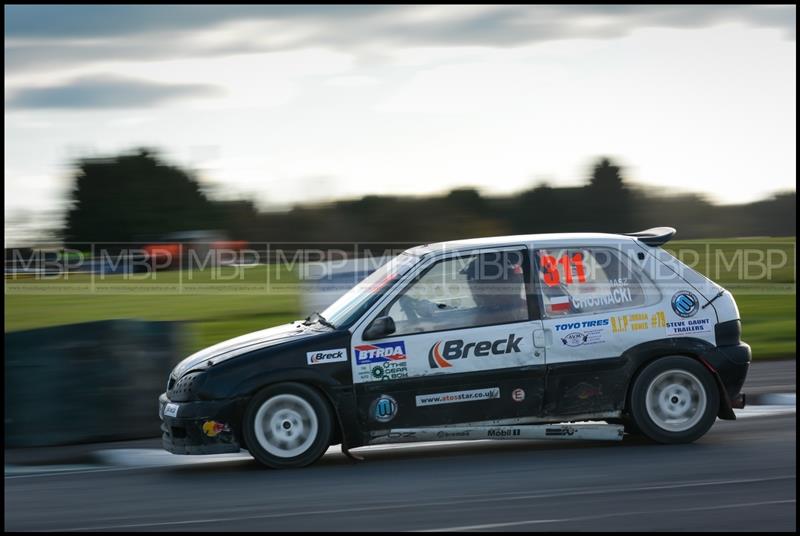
<point x="168" y="168"/>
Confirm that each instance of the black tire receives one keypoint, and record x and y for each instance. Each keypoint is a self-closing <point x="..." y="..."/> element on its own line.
<point x="684" y="400"/>
<point x="284" y="407"/>
<point x="631" y="428"/>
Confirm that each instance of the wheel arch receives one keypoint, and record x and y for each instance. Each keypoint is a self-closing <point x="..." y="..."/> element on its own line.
<point x="642" y="355"/>
<point x="331" y="391"/>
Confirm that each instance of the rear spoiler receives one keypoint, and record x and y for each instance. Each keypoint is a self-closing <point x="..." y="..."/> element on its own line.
<point x="657" y="236"/>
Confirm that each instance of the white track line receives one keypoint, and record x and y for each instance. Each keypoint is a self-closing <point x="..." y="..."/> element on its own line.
<point x="159" y="457"/>
<point x="776" y="399"/>
<point x="12" y="470"/>
<point x="59" y="470"/>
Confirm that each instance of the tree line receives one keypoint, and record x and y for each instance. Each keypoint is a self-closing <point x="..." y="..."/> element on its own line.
<point x="137" y="197"/>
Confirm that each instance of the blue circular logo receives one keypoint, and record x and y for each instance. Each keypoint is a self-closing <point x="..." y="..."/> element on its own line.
<point x="685" y="304"/>
<point x="384" y="408"/>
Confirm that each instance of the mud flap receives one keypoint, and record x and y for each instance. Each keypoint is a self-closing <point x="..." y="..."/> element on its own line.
<point x="345" y="446"/>
<point x="350" y="455"/>
<point x="725" y="407"/>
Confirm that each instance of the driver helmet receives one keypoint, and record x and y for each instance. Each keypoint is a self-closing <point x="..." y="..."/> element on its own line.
<point x="495" y="283"/>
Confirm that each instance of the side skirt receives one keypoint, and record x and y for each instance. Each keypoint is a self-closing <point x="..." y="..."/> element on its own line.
<point x="601" y="432"/>
<point x="554" y="419"/>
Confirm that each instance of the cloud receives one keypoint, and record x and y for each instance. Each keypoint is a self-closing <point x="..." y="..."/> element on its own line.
<point x="106" y="92"/>
<point x="86" y="21"/>
<point x="38" y="36"/>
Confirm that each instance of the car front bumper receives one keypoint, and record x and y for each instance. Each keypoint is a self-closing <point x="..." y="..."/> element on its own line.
<point x="199" y="427"/>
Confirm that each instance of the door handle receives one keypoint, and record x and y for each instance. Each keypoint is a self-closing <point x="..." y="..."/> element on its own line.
<point x="542" y="338"/>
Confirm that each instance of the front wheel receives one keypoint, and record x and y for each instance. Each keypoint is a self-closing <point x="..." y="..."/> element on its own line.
<point x="287" y="425"/>
<point x="674" y="400"/>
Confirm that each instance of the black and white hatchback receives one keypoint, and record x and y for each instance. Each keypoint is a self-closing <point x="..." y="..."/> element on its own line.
<point x="582" y="336"/>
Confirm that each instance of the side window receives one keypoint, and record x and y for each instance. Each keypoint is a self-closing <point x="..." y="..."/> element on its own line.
<point x="467" y="291"/>
<point x="575" y="281"/>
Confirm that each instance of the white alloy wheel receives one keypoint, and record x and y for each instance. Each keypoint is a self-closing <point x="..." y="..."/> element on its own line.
<point x="286" y="425"/>
<point x="676" y="400"/>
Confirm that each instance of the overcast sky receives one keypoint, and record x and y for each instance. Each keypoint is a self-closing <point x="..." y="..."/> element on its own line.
<point x="303" y="103"/>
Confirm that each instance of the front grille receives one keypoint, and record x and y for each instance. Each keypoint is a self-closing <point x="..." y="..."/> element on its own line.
<point x="184" y="389"/>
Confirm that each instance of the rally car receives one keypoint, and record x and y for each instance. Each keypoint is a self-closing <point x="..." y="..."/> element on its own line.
<point x="537" y="336"/>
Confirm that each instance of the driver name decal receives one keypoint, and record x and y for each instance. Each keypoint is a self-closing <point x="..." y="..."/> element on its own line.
<point x="618" y="291"/>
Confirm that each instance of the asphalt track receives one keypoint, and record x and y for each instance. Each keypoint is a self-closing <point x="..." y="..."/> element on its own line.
<point x="740" y="476"/>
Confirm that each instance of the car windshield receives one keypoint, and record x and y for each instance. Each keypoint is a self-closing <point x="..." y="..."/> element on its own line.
<point x="358" y="299"/>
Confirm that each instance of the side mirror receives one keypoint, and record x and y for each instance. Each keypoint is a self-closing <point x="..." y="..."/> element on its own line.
<point x="380" y="327"/>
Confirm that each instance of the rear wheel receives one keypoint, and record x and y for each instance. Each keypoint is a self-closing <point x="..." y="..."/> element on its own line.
<point x="674" y="400"/>
<point x="287" y="425"/>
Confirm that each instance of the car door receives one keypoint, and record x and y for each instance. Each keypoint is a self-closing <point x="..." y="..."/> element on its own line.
<point x="596" y="303"/>
<point x="462" y="348"/>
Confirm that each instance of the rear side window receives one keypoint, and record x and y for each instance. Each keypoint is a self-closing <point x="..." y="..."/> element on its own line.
<point x="574" y="281"/>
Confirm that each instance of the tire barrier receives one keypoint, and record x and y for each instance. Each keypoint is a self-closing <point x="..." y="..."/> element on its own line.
<point x="89" y="382"/>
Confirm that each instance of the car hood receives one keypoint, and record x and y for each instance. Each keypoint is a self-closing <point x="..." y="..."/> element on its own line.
<point x="244" y="344"/>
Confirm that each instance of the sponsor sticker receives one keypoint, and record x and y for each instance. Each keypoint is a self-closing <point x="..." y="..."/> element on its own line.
<point x="171" y="410"/>
<point x="384" y="408"/>
<point x="380" y="352"/>
<point x="582" y="333"/>
<point x="458" y="396"/>
<point x="518" y="395"/>
<point x="569" y="326"/>
<point x="560" y="431"/>
<point x="580" y="338"/>
<point x="462" y="433"/>
<point x="385" y="371"/>
<point x="576" y="338"/>
<point x="638" y="322"/>
<point x="326" y="356"/>
<point x="405" y="434"/>
<point x="688" y="327"/>
<point x="214" y="428"/>
<point x="443" y="352"/>
<point x="685" y="304"/>
<point x="503" y="432"/>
